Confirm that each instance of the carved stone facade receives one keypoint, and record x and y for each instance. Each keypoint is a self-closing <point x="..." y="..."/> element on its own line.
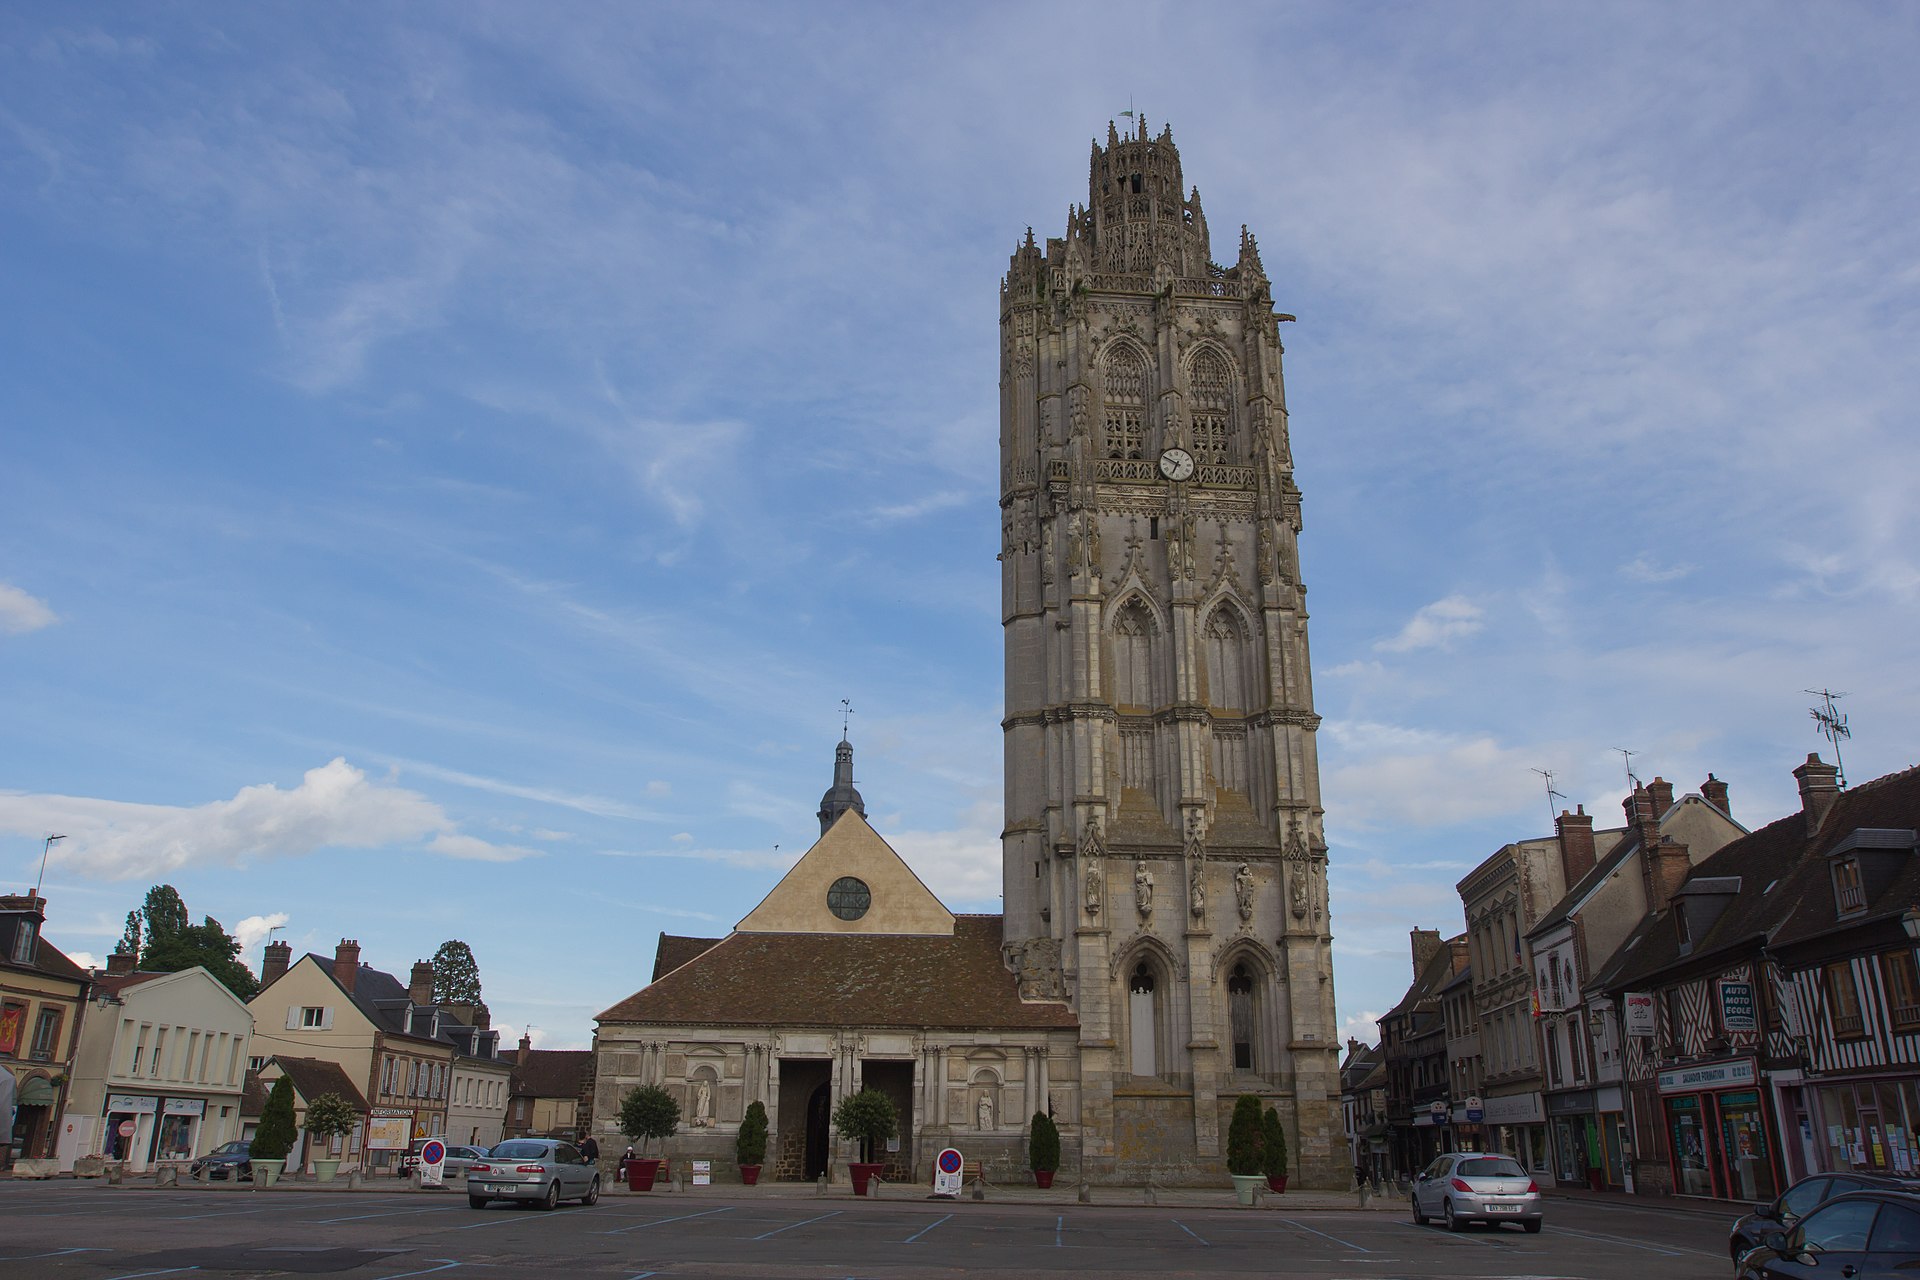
<point x="1163" y="832"/>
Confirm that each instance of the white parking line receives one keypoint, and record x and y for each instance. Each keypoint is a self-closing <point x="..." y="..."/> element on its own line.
<point x="930" y="1226"/>
<point x="791" y="1225"/>
<point x="1324" y="1236"/>
<point x="1190" y="1231"/>
<point x="391" y="1213"/>
<point x="167" y="1271"/>
<point x="57" y="1253"/>
<point x="445" y="1264"/>
<point x="1672" y="1251"/>
<point x="659" y="1222"/>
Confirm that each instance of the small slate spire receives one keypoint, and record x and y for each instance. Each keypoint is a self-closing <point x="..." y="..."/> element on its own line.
<point x="841" y="796"/>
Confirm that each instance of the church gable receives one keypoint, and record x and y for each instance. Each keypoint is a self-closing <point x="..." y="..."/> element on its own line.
<point x="850" y="882"/>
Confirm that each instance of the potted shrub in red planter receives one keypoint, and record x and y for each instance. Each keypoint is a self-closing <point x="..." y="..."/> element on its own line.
<point x="750" y="1144"/>
<point x="1273" y="1154"/>
<point x="1043" y="1149"/>
<point x="867" y="1117"/>
<point x="648" y="1111"/>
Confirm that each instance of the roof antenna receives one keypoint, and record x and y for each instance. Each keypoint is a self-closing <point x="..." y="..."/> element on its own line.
<point x="1552" y="816"/>
<point x="43" y="863"/>
<point x="1833" y="726"/>
<point x="1626" y="759"/>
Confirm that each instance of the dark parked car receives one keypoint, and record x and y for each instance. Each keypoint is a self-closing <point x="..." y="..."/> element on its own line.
<point x="228" y="1162"/>
<point x="1862" y="1235"/>
<point x="1800" y="1199"/>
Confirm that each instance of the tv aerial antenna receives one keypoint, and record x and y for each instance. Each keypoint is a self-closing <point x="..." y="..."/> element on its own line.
<point x="1833" y="725"/>
<point x="1552" y="814"/>
<point x="1626" y="761"/>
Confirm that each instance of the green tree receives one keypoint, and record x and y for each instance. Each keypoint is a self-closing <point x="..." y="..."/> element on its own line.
<point x="1043" y="1144"/>
<point x="330" y="1116"/>
<point x="275" y="1136"/>
<point x="456" y="975"/>
<point x="648" y="1111"/>
<point x="750" y="1146"/>
<point x="866" y="1117"/>
<point x="1274" y="1149"/>
<point x="1243" y="1138"/>
<point x="172" y="944"/>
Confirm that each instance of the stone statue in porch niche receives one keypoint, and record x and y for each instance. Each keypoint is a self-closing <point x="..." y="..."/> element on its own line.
<point x="1197" y="890"/>
<point x="702" y="1105"/>
<point x="983" y="1111"/>
<point x="1142" y="890"/>
<point x="1243" y="892"/>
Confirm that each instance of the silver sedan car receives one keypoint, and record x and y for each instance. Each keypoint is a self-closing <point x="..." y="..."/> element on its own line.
<point x="533" y="1171"/>
<point x="1476" y="1186"/>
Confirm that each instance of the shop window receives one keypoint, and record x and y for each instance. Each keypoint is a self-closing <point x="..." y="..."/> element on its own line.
<point x="1843" y="1002"/>
<point x="1903" y="989"/>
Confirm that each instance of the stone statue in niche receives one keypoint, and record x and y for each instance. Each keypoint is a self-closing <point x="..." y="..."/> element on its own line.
<point x="1197" y="890"/>
<point x="1093" y="845"/>
<point x="983" y="1112"/>
<point x="1297" y="896"/>
<point x="1142" y="890"/>
<point x="1090" y="893"/>
<point x="1243" y="892"/>
<point x="702" y="1105"/>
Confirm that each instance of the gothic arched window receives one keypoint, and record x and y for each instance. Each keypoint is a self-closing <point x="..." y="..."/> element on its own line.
<point x="1225" y="643"/>
<point x="1126" y="390"/>
<point x="1241" y="1019"/>
<point x="1133" y="637"/>
<point x="1143" y="1021"/>
<point x="1211" y="385"/>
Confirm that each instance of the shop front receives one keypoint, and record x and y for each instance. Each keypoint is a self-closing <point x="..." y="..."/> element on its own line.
<point x="1518" y="1125"/>
<point x="1868" y="1126"/>
<point x="179" y="1125"/>
<point x="1577" y="1160"/>
<point x="1720" y="1139"/>
<point x="1610" y="1117"/>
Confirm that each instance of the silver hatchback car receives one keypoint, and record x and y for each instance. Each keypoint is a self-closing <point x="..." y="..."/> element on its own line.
<point x="1476" y="1186"/>
<point x="533" y="1171"/>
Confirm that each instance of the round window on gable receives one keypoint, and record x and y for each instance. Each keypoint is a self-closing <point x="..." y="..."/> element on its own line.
<point x="849" y="898"/>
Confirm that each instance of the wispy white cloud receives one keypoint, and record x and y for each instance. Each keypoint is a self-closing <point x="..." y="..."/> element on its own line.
<point x="1392" y="773"/>
<point x="1644" y="568"/>
<point x="21" y="613"/>
<point x="945" y="500"/>
<point x="1437" y="626"/>
<point x="334" y="807"/>
<point x="599" y="806"/>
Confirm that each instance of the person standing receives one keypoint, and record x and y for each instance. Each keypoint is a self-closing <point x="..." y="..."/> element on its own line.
<point x="590" y="1149"/>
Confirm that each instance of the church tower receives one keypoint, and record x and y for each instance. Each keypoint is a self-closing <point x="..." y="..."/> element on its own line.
<point x="1163" y="861"/>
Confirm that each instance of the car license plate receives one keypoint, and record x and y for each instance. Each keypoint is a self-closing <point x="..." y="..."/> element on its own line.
<point x="1503" y="1208"/>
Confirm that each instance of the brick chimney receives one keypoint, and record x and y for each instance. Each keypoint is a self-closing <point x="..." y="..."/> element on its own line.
<point x="1353" y="1046"/>
<point x="1667" y="864"/>
<point x="1576" y="843"/>
<point x="279" y="959"/>
<point x="1641" y="818"/>
<point x="526" y="1047"/>
<point x="1714" y="792"/>
<point x="120" y="964"/>
<point x="346" y="963"/>
<point x="482" y="1018"/>
<point x="420" y="983"/>
<point x="1426" y="945"/>
<point x="1661" y="792"/>
<point x="1819" y="788"/>
<point x="1462" y="954"/>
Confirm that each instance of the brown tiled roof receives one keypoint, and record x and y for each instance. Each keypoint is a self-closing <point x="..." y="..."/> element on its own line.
<point x="112" y="984"/>
<point x="312" y="1077"/>
<point x="253" y="1095"/>
<point x="873" y="980"/>
<point x="675" y="951"/>
<point x="550" y="1073"/>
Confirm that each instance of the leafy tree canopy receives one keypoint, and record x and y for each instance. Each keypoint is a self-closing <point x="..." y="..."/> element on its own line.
<point x="331" y="1116"/>
<point x="648" y="1111"/>
<point x="171" y="944"/>
<point x="456" y="975"/>
<point x="867" y="1117"/>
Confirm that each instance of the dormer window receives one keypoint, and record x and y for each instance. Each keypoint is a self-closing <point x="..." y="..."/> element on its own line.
<point x="1848" y="895"/>
<point x="24" y="937"/>
<point x="1680" y="929"/>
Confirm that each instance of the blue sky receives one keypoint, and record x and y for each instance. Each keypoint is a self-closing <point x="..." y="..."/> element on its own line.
<point x="455" y="458"/>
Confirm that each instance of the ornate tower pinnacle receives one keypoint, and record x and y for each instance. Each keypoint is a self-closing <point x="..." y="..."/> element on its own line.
<point x="841" y="796"/>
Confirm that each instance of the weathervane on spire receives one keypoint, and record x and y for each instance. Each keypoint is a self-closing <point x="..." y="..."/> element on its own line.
<point x="1833" y="726"/>
<point x="846" y="716"/>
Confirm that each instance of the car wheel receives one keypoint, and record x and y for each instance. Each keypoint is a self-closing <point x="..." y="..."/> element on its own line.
<point x="476" y="1202"/>
<point x="1419" y="1216"/>
<point x="552" y="1199"/>
<point x="593" y="1192"/>
<point x="1533" y="1226"/>
<point x="1453" y="1223"/>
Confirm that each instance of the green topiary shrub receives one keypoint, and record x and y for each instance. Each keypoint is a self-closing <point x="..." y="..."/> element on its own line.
<point x="1243" y="1138"/>
<point x="750" y="1147"/>
<point x="1274" y="1154"/>
<point x="277" y="1132"/>
<point x="648" y="1111"/>
<point x="331" y="1116"/>
<point x="866" y="1117"/>
<point x="1043" y="1144"/>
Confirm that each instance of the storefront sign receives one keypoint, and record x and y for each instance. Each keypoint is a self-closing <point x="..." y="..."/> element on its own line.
<point x="1708" y="1076"/>
<point x="1475" y="1111"/>
<point x="1736" y="1006"/>
<point x="186" y="1106"/>
<point x="138" y="1103"/>
<point x="1517" y="1108"/>
<point x="1578" y="1102"/>
<point x="1640" y="1011"/>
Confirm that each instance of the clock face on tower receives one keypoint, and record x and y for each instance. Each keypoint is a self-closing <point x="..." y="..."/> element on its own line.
<point x="1176" y="464"/>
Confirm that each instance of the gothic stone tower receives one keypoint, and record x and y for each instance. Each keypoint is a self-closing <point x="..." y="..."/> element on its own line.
<point x="1163" y="858"/>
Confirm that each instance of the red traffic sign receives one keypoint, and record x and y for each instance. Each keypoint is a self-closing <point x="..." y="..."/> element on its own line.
<point x="126" y="1128"/>
<point x="434" y="1152"/>
<point x="949" y="1161"/>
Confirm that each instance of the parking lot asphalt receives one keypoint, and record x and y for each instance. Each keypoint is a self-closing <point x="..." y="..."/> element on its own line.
<point x="87" y="1231"/>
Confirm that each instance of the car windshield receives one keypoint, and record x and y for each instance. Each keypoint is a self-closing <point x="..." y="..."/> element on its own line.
<point x="235" y="1148"/>
<point x="1491" y="1167"/>
<point x="520" y="1151"/>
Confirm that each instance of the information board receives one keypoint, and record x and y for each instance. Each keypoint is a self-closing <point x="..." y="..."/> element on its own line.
<point x="703" y="1173"/>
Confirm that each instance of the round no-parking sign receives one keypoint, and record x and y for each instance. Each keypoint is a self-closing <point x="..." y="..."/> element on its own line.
<point x="432" y="1156"/>
<point x="946" y="1173"/>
